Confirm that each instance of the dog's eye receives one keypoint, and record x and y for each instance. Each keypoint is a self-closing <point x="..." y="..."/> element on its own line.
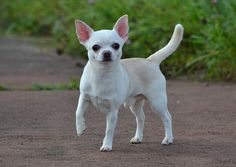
<point x="96" y="47"/>
<point x="115" y="46"/>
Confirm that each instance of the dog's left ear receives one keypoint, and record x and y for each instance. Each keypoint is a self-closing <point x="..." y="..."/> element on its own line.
<point x="122" y="27"/>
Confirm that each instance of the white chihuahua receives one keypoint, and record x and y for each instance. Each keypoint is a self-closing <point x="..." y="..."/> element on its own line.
<point x="108" y="82"/>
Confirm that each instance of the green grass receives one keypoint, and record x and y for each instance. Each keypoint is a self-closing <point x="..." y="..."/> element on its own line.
<point x="73" y="85"/>
<point x="207" y="51"/>
<point x="3" y="88"/>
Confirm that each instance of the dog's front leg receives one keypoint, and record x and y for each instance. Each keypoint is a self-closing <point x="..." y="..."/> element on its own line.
<point x="80" y="122"/>
<point x="111" y="119"/>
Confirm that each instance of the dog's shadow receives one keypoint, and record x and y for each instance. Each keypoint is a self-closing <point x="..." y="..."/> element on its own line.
<point x="198" y="148"/>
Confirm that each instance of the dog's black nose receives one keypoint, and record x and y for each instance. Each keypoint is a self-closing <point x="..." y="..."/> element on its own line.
<point x="107" y="56"/>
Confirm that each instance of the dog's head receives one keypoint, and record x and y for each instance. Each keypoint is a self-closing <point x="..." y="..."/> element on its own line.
<point x="103" y="45"/>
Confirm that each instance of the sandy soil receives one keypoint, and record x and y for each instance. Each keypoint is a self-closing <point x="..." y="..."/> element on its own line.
<point x="37" y="128"/>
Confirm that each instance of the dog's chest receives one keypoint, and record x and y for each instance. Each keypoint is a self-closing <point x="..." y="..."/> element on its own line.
<point x="102" y="105"/>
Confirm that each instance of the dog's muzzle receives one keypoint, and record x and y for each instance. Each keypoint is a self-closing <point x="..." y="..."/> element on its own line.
<point x="107" y="56"/>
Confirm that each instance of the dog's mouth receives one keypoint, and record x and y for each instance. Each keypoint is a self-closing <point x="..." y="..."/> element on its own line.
<point x="106" y="59"/>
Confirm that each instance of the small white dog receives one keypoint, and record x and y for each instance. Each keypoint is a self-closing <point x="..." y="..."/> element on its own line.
<point x="108" y="82"/>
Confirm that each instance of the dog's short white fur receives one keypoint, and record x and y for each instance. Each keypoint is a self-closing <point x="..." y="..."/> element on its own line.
<point x="109" y="81"/>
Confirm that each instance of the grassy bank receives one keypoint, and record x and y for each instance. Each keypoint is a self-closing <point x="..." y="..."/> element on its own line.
<point x="207" y="51"/>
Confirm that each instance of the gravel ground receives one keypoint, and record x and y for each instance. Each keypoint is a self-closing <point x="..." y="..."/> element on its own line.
<point x="37" y="128"/>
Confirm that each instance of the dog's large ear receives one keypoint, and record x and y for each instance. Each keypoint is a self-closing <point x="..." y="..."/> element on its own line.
<point x="122" y="27"/>
<point x="83" y="31"/>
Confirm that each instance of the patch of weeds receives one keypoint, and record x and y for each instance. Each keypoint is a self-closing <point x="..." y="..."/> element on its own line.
<point x="72" y="85"/>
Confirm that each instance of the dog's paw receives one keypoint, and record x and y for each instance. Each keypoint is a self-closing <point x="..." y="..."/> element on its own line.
<point x="81" y="130"/>
<point x="167" y="141"/>
<point x="136" y="140"/>
<point x="105" y="149"/>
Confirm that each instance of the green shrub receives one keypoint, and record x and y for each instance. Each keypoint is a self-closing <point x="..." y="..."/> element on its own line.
<point x="207" y="49"/>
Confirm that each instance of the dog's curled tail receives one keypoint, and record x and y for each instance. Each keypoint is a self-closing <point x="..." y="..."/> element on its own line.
<point x="173" y="44"/>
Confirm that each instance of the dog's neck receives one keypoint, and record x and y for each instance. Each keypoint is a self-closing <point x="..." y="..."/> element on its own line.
<point x="104" y="78"/>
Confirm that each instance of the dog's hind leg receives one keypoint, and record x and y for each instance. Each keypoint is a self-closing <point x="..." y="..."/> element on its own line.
<point x="159" y="104"/>
<point x="137" y="110"/>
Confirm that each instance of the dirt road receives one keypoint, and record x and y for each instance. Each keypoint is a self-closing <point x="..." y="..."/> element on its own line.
<point x="37" y="128"/>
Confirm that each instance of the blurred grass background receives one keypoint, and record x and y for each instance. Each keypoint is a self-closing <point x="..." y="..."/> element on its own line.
<point x="206" y="53"/>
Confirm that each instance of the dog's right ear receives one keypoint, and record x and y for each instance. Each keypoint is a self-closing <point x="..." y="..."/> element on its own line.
<point x="122" y="27"/>
<point x="83" y="31"/>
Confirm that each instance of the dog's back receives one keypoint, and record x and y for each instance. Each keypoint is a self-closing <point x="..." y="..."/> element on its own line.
<point x="142" y="75"/>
